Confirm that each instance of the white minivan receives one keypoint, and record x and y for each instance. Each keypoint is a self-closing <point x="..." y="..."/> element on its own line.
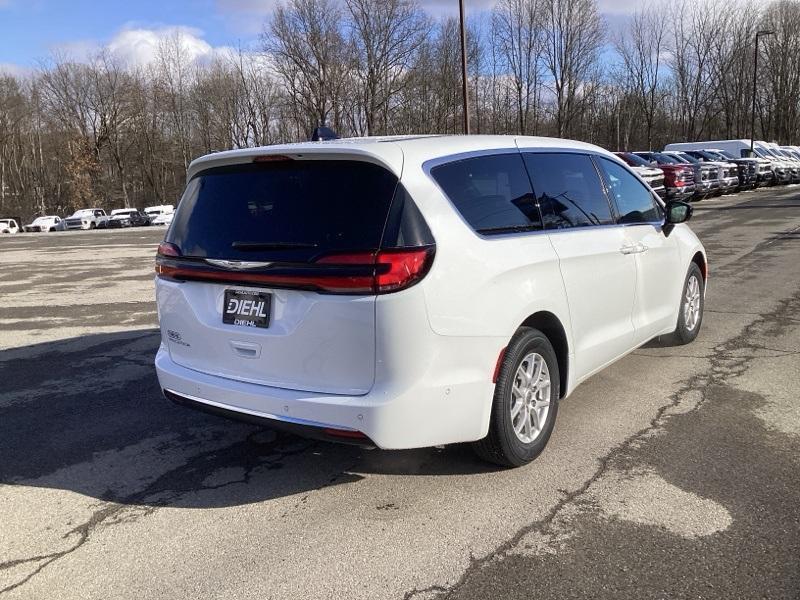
<point x="416" y="291"/>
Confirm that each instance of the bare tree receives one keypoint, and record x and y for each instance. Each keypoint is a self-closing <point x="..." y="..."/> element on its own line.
<point x="694" y="36"/>
<point x="174" y="78"/>
<point x="783" y="69"/>
<point x="517" y="29"/>
<point x="573" y="39"/>
<point x="312" y="57"/>
<point x="386" y="34"/>
<point x="641" y="47"/>
<point x="731" y="64"/>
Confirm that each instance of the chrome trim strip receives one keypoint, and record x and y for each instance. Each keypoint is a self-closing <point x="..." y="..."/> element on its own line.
<point x="259" y="414"/>
<point x="237" y="264"/>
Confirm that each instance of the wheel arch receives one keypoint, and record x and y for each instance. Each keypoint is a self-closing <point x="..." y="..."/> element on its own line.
<point x="550" y="325"/>
<point x="700" y="260"/>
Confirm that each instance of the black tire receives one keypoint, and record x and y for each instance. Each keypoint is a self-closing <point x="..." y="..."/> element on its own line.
<point x="501" y="445"/>
<point x="684" y="334"/>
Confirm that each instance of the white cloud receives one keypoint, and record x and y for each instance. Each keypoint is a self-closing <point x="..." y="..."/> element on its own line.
<point x="137" y="46"/>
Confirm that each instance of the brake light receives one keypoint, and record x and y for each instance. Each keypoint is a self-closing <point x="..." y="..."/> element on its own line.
<point x="168" y="249"/>
<point x="405" y="268"/>
<point x="261" y="158"/>
<point x="395" y="269"/>
<point x="347" y="273"/>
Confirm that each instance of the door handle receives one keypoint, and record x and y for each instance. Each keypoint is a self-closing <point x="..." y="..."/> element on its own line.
<point x="637" y="248"/>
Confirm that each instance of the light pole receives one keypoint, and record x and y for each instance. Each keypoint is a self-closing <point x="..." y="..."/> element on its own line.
<point x="464" y="67"/>
<point x="755" y="83"/>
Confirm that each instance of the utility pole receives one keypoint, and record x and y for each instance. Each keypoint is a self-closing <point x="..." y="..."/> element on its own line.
<point x="464" y="90"/>
<point x="755" y="83"/>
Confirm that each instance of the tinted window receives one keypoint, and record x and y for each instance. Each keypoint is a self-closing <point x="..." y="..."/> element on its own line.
<point x="492" y="193"/>
<point x="287" y="210"/>
<point x="634" y="200"/>
<point x="687" y="158"/>
<point x="568" y="190"/>
<point x="633" y="160"/>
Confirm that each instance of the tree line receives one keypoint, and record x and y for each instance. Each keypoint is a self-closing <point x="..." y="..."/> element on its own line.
<point x="102" y="133"/>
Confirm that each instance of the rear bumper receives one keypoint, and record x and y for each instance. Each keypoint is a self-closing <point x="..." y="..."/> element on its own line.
<point x="445" y="406"/>
<point x="315" y="431"/>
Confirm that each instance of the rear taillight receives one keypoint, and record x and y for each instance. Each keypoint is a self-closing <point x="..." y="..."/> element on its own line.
<point x="395" y="269"/>
<point x="168" y="249"/>
<point x="346" y="273"/>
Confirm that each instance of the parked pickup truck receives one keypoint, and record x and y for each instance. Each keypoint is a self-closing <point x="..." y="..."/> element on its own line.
<point x="161" y="214"/>
<point x="653" y="176"/>
<point x="749" y="168"/>
<point x="9" y="225"/>
<point x="778" y="171"/>
<point x="678" y="178"/>
<point x="87" y="218"/>
<point x="45" y="223"/>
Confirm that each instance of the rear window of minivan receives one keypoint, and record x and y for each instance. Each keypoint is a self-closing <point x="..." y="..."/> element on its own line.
<point x="287" y="210"/>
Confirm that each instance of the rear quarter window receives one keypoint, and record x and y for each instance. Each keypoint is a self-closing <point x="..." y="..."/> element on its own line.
<point x="492" y="193"/>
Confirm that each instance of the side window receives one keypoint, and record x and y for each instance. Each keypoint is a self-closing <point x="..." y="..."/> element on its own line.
<point x="491" y="192"/>
<point x="568" y="190"/>
<point x="633" y="199"/>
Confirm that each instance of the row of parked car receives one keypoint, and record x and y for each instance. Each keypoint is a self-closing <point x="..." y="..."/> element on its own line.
<point x="697" y="170"/>
<point x="94" y="218"/>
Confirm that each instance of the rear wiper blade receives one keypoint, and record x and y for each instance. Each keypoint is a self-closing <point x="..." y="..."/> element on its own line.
<point x="256" y="246"/>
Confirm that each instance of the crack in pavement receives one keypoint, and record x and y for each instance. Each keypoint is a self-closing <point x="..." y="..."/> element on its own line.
<point x="724" y="364"/>
<point x="268" y="455"/>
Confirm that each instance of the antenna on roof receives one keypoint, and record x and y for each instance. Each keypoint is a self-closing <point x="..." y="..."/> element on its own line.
<point x="322" y="134"/>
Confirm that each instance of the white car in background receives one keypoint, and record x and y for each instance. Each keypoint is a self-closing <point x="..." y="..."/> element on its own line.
<point x="162" y="219"/>
<point x="9" y="226"/>
<point x="46" y="223"/>
<point x="160" y="215"/>
<point x="87" y="218"/>
<point x="409" y="292"/>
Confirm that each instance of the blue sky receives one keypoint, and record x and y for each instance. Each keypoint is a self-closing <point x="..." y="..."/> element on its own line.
<point x="31" y="29"/>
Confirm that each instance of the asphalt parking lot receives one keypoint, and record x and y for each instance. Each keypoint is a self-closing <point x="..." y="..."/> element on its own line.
<point x="675" y="473"/>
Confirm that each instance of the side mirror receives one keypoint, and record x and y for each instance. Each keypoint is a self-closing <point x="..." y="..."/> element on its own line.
<point x="676" y="212"/>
